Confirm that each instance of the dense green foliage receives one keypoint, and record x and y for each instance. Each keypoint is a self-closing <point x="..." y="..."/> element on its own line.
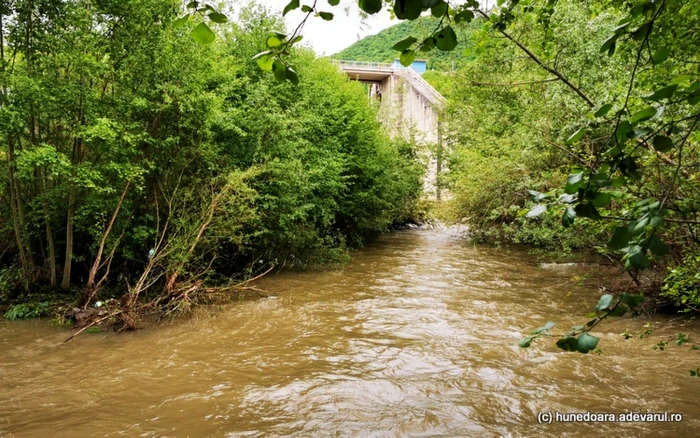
<point x="379" y="47"/>
<point x="141" y="161"/>
<point x="578" y="117"/>
<point x="535" y="154"/>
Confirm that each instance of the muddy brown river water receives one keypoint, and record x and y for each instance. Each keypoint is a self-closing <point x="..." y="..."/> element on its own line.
<point x="415" y="337"/>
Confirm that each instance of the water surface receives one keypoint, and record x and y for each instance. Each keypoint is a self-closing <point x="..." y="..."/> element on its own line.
<point x="415" y="337"/>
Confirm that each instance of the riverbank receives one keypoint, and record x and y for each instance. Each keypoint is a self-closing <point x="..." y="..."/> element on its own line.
<point x="416" y="335"/>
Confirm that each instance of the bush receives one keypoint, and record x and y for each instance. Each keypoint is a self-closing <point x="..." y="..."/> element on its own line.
<point x="682" y="284"/>
<point x="27" y="310"/>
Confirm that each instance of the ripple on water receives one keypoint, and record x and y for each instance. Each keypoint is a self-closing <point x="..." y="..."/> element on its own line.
<point x="415" y="337"/>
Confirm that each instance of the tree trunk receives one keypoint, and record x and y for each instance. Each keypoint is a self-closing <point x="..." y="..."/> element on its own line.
<point x="49" y="233"/>
<point x="96" y="265"/>
<point x="67" y="263"/>
<point x="15" y="212"/>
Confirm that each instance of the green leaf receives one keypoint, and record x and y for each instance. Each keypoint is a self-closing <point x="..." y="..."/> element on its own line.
<point x="407" y="57"/>
<point x="181" y="21"/>
<point x="657" y="246"/>
<point x="568" y="344"/>
<point x="586" y="343"/>
<point x="446" y="39"/>
<point x="620" y="310"/>
<point x="327" y="16"/>
<point x="645" y="114"/>
<point x="662" y="143"/>
<point x="661" y="55"/>
<point x="408" y="9"/>
<point x="609" y="45"/>
<point x="603" y="110"/>
<point x="428" y="44"/>
<point x="587" y="210"/>
<point x="525" y="342"/>
<point x="641" y="32"/>
<point x="544" y="328"/>
<point x="439" y="10"/>
<point x="279" y="71"/>
<point x="569" y="217"/>
<point x="265" y="62"/>
<point x="292" y="76"/>
<point x="620" y="238"/>
<point x="467" y="16"/>
<point x="202" y="34"/>
<point x="274" y="41"/>
<point x="604" y="302"/>
<point x="656" y="221"/>
<point x="576" y="136"/>
<point x="623" y="130"/>
<point x="536" y="211"/>
<point x="637" y="259"/>
<point x="218" y="17"/>
<point x="632" y="300"/>
<point x="294" y="4"/>
<point x="370" y="6"/>
<point x="537" y="196"/>
<point x="602" y="199"/>
<point x="573" y="183"/>
<point x="404" y="44"/>
<point x="306" y="9"/>
<point x="662" y="93"/>
<point x="334" y="2"/>
<point x="638" y="227"/>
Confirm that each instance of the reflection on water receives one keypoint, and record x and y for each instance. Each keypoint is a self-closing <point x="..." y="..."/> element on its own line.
<point x="416" y="337"/>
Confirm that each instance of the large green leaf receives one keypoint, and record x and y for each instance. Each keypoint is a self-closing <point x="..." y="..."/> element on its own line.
<point x="292" y="5"/>
<point x="218" y="17"/>
<point x="439" y="10"/>
<point x="637" y="258"/>
<point x="408" y="9"/>
<point x="202" y="34"/>
<point x="604" y="302"/>
<point x="536" y="211"/>
<point x="525" y="342"/>
<point x="632" y="300"/>
<point x="405" y="44"/>
<point x="662" y="143"/>
<point x="407" y="57"/>
<point x="370" y="6"/>
<point x="446" y="39"/>
<point x="568" y="344"/>
<point x="586" y="343"/>
<point x="642" y="115"/>
<point x="548" y="326"/>
<point x="603" y="110"/>
<point x="661" y="55"/>
<point x="569" y="217"/>
<point x="657" y="246"/>
<point x="620" y="238"/>
<point x="576" y="136"/>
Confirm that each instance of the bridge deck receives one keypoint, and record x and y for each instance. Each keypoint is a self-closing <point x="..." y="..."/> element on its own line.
<point x="378" y="72"/>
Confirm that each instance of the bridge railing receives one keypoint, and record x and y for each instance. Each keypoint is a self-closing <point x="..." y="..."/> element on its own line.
<point x="423" y="86"/>
<point x="364" y="65"/>
<point x="411" y="75"/>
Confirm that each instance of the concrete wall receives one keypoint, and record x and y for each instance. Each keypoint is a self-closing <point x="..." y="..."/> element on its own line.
<point x="408" y="113"/>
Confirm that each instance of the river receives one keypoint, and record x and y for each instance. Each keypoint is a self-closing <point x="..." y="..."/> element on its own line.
<point x="415" y="337"/>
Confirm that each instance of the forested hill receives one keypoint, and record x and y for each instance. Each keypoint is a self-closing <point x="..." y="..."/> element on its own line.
<point x="378" y="48"/>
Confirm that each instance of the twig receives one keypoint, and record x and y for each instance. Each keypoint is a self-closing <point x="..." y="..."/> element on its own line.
<point x="92" y="324"/>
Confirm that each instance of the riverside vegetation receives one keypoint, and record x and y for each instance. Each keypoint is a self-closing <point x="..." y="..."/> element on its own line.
<point x="572" y="125"/>
<point x="144" y="171"/>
